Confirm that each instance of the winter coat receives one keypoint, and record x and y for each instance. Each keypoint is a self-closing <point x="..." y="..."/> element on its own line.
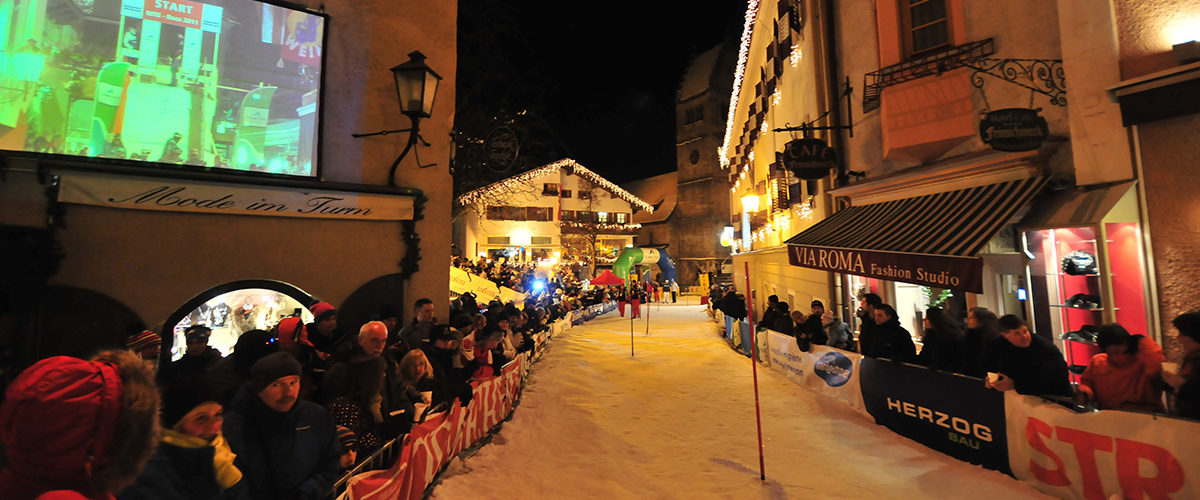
<point x="449" y="382"/>
<point x="780" y="323"/>
<point x="815" y="330"/>
<point x="63" y="413"/>
<point x="892" y="341"/>
<point x="768" y="319"/>
<point x="179" y="472"/>
<point x="1187" y="398"/>
<point x="1035" y="370"/>
<point x="1126" y="381"/>
<point x="414" y="335"/>
<point x="734" y="307"/>
<point x="351" y="414"/>
<point x="943" y="352"/>
<point x="839" y="334"/>
<point x="975" y="345"/>
<point x="326" y="344"/>
<point x="866" y="333"/>
<point x="283" y="455"/>
<point x="193" y="365"/>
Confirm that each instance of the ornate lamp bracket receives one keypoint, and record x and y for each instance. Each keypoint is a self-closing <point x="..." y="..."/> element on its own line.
<point x="1044" y="76"/>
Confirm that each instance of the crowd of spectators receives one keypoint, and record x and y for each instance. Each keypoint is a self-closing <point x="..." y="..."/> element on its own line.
<point x="281" y="417"/>
<point x="1127" y="374"/>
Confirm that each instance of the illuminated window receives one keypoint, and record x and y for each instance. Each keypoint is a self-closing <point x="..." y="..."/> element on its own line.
<point x="585" y="195"/>
<point x="550" y="189"/>
<point x="622" y="218"/>
<point x="601" y="216"/>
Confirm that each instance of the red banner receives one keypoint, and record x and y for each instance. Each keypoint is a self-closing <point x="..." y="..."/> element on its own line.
<point x="433" y="443"/>
<point x="177" y="12"/>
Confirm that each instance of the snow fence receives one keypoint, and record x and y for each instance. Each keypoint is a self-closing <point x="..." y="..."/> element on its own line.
<point x="430" y="446"/>
<point x="1090" y="455"/>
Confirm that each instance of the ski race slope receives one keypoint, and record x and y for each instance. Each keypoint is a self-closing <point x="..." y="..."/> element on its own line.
<point x="677" y="421"/>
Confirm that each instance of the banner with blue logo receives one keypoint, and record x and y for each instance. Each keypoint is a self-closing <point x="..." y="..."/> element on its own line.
<point x="950" y="413"/>
<point x="829" y="371"/>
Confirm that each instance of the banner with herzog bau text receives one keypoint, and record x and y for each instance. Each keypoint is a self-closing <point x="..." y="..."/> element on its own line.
<point x="1102" y="454"/>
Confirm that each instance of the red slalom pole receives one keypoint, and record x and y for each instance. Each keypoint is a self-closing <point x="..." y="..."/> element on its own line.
<point x="762" y="471"/>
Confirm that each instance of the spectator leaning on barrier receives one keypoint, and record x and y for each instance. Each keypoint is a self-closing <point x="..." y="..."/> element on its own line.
<point x="1024" y="362"/>
<point x="941" y="343"/>
<point x="286" y="447"/>
<point x="82" y="429"/>
<point x="838" y="332"/>
<point x="866" y="315"/>
<point x="193" y="460"/>
<point x="771" y="312"/>
<point x="981" y="332"/>
<point x="1187" y="382"/>
<point x="449" y="382"/>
<point x="358" y="406"/>
<point x="349" y="442"/>
<point x="813" y="325"/>
<point x="1126" y="375"/>
<point x="890" y="340"/>
<point x="782" y="322"/>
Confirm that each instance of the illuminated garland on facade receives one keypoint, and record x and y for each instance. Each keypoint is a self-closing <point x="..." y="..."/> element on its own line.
<point x="743" y="55"/>
<point x="600" y="226"/>
<point x="525" y="179"/>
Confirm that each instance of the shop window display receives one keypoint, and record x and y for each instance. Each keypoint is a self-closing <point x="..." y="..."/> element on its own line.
<point x="233" y="313"/>
<point x="1086" y="276"/>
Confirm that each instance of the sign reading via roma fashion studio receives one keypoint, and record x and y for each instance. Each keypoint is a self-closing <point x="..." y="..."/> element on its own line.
<point x="174" y="195"/>
<point x="959" y="273"/>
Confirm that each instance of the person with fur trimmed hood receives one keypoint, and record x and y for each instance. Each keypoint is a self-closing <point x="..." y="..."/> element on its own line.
<point x="286" y="447"/>
<point x="75" y="429"/>
<point x="193" y="460"/>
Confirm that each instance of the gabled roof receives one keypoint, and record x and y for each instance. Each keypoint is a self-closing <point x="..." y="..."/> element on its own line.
<point x="661" y="191"/>
<point x="699" y="75"/>
<point x="565" y="163"/>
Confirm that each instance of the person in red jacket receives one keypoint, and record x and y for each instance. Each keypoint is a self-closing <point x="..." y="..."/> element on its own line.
<point x="75" y="429"/>
<point x="1127" y="375"/>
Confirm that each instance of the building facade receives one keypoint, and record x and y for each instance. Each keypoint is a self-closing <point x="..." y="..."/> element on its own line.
<point x="87" y="270"/>
<point x="561" y="212"/>
<point x="971" y="177"/>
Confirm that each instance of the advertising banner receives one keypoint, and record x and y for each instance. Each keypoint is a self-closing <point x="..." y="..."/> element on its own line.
<point x="147" y="193"/>
<point x="787" y="358"/>
<point x="944" y="271"/>
<point x="949" y="413"/>
<point x="1102" y="454"/>
<point x="836" y="373"/>
<point x="462" y="282"/>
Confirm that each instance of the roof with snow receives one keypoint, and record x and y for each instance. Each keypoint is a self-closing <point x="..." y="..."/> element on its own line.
<point x="661" y="191"/>
<point x="572" y="167"/>
<point x="699" y="75"/>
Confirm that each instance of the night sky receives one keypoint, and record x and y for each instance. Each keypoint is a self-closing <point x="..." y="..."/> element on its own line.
<point x="602" y="76"/>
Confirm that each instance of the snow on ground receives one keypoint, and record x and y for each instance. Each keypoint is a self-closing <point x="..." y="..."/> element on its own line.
<point x="677" y="421"/>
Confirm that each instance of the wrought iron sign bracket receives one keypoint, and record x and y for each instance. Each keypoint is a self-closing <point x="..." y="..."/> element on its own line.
<point x="1043" y="76"/>
<point x="847" y="91"/>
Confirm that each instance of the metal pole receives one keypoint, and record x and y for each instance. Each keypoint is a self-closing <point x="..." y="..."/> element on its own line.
<point x="630" y="301"/>
<point x="762" y="472"/>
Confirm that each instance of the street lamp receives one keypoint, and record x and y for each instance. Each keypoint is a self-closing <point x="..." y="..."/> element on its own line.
<point x="416" y="88"/>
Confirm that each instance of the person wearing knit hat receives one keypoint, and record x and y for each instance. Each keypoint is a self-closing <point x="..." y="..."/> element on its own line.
<point x="286" y="447"/>
<point x="322" y="332"/>
<point x="193" y="460"/>
<point x="349" y="442"/>
<point x="146" y="344"/>
<point x="79" y="428"/>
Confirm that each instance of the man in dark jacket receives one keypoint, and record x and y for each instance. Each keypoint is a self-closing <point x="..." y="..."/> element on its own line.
<point x="449" y="382"/>
<point x="772" y="312"/>
<point x="890" y="340"/>
<point x="286" y="447"/>
<point x="813" y="326"/>
<point x="198" y="358"/>
<point x="1026" y="363"/>
<point x="415" y="334"/>
<point x="866" y="315"/>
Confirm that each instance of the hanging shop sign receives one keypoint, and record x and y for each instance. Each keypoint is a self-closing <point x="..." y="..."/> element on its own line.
<point x="1014" y="129"/>
<point x="809" y="159"/>
<point x="962" y="418"/>
<point x="172" y="195"/>
<point x="501" y="148"/>
<point x="939" y="271"/>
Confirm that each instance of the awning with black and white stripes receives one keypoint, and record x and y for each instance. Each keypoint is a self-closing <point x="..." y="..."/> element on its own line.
<point x="930" y="240"/>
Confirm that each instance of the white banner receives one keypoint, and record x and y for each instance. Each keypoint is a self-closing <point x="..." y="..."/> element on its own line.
<point x="145" y="193"/>
<point x="1103" y="454"/>
<point x="829" y="371"/>
<point x="462" y="282"/>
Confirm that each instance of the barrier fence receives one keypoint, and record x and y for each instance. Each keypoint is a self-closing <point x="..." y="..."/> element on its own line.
<point x="1093" y="455"/>
<point x="406" y="466"/>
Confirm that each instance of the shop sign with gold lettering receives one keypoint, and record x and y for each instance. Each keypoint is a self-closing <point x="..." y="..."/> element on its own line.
<point x="939" y="271"/>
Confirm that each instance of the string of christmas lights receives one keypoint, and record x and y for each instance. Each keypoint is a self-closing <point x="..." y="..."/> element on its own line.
<point x="526" y="178"/>
<point x="743" y="55"/>
<point x="600" y="226"/>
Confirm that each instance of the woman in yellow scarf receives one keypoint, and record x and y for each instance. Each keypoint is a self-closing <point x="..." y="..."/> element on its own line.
<point x="193" y="460"/>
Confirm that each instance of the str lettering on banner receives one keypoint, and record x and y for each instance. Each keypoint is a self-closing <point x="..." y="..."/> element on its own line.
<point x="1104" y="454"/>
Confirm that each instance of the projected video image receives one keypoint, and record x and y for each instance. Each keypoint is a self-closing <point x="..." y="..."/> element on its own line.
<point x="221" y="83"/>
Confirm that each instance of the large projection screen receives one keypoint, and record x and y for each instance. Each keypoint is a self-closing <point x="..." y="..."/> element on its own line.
<point x="231" y="84"/>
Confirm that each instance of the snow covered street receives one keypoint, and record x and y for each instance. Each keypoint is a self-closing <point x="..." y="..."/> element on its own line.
<point x="677" y="421"/>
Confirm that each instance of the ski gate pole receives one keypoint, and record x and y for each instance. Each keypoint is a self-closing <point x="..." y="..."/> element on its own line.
<point x="762" y="472"/>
